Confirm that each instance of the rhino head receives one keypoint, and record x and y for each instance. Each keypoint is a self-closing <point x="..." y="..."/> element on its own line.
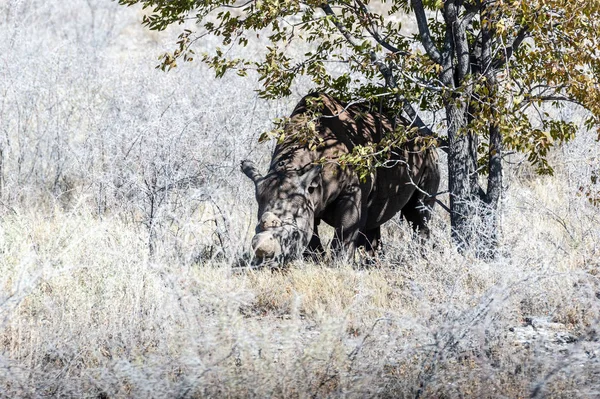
<point x="286" y="210"/>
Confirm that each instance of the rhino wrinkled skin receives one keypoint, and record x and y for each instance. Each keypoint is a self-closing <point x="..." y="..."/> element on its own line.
<point x="299" y="191"/>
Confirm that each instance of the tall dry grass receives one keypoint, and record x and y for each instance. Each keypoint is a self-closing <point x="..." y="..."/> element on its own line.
<point x="122" y="212"/>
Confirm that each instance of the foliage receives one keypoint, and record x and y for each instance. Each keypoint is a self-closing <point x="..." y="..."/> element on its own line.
<point x="542" y="50"/>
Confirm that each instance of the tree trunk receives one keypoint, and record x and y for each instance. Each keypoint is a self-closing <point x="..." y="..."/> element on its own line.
<point x="473" y="212"/>
<point x="461" y="169"/>
<point x="494" y="183"/>
<point x="493" y="192"/>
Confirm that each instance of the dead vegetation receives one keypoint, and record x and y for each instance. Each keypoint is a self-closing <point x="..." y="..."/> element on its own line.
<point x="123" y="212"/>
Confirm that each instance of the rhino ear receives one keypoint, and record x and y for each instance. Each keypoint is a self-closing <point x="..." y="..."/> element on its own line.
<point x="250" y="170"/>
<point x="312" y="179"/>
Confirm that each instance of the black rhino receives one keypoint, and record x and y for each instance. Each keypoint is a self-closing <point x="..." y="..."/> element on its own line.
<point x="299" y="191"/>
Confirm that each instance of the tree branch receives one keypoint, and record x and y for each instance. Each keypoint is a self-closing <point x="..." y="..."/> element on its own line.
<point x="329" y="12"/>
<point x="430" y="48"/>
<point x="459" y="37"/>
<point x="373" y="32"/>
<point x="554" y="98"/>
<point x="236" y="6"/>
<point x="512" y="48"/>
<point x="386" y="72"/>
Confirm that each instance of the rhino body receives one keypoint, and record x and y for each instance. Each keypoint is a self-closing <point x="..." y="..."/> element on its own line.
<point x="298" y="192"/>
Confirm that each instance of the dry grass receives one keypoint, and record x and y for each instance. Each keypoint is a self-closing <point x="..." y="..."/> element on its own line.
<point x="122" y="212"/>
<point x="87" y="312"/>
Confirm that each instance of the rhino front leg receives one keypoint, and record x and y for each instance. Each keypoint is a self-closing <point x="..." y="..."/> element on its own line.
<point x="371" y="241"/>
<point x="315" y="250"/>
<point x="349" y="220"/>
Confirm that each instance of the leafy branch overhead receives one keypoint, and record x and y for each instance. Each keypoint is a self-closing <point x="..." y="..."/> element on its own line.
<point x="534" y="51"/>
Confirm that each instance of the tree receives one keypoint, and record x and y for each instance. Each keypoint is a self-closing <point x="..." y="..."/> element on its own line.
<point x="489" y="67"/>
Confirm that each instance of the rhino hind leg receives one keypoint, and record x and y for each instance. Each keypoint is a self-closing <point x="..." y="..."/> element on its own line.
<point x="417" y="214"/>
<point x="349" y="219"/>
<point x="418" y="209"/>
<point x="370" y="241"/>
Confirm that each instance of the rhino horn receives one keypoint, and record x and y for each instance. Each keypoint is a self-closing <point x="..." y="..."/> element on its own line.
<point x="250" y="170"/>
<point x="265" y="245"/>
<point x="269" y="220"/>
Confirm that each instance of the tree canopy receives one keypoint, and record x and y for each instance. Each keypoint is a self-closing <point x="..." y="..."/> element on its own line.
<point x="493" y="69"/>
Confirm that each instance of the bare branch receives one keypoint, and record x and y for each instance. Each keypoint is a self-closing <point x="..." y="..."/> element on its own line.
<point x="554" y="98"/>
<point x="394" y="162"/>
<point x="237" y="6"/>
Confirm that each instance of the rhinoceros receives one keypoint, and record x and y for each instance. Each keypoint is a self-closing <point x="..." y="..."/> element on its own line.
<point x="305" y="184"/>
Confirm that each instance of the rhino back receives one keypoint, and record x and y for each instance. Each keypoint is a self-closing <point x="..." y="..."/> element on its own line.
<point x="341" y="128"/>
